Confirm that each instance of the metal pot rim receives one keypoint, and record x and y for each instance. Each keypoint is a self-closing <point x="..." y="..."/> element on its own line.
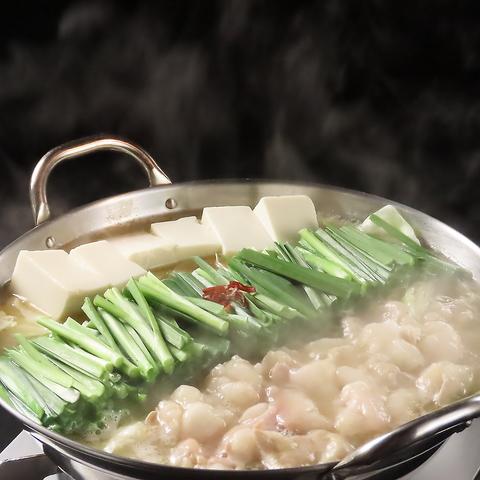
<point x="58" y="441"/>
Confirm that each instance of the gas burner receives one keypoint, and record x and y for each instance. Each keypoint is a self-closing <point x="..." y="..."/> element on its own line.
<point x="24" y="459"/>
<point x="457" y="458"/>
<point x="35" y="467"/>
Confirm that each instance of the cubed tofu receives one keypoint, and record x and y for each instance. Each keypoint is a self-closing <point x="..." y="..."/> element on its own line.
<point x="107" y="262"/>
<point x="189" y="236"/>
<point x="236" y="228"/>
<point x="54" y="282"/>
<point x="391" y="215"/>
<point x="145" y="249"/>
<point x="284" y="216"/>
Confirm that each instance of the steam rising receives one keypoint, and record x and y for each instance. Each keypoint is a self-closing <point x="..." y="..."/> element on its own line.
<point x="378" y="96"/>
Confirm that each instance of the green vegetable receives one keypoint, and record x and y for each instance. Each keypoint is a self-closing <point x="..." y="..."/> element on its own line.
<point x="82" y="340"/>
<point x="209" y="272"/>
<point x="96" y="319"/>
<point x="94" y="366"/>
<point x="4" y="395"/>
<point x="90" y="388"/>
<point x="52" y="404"/>
<point x="325" y="252"/>
<point x="335" y="286"/>
<point x="22" y="359"/>
<point x="277" y="289"/>
<point x="69" y="395"/>
<point x="189" y="285"/>
<point x="180" y="355"/>
<point x="212" y="307"/>
<point x="154" y="288"/>
<point x="15" y="380"/>
<point x="372" y="269"/>
<point x="412" y="247"/>
<point x="292" y="255"/>
<point x="384" y="252"/>
<point x="119" y="306"/>
<point x="72" y="378"/>
<point x="159" y="344"/>
<point x="126" y="342"/>
<point x="136" y="338"/>
<point x="172" y="332"/>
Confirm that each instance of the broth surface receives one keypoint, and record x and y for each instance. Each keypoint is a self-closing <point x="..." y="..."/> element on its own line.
<point x="17" y="316"/>
<point x="393" y="361"/>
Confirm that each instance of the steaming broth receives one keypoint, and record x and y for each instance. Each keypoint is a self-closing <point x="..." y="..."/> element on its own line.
<point x="17" y="316"/>
<point x="390" y="361"/>
<point x="393" y="361"/>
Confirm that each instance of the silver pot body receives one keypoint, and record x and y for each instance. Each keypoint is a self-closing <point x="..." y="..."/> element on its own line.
<point x="164" y="201"/>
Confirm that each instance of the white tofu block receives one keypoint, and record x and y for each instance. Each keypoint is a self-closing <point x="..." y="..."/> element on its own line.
<point x="189" y="236"/>
<point x="107" y="262"/>
<point x="145" y="249"/>
<point x="236" y="228"/>
<point x="54" y="282"/>
<point x="284" y="216"/>
<point x="391" y="215"/>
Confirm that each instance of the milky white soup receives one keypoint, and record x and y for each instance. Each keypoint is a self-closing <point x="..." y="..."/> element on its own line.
<point x="393" y="361"/>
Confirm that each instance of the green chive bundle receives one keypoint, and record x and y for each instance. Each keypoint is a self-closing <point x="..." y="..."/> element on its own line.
<point x="71" y="378"/>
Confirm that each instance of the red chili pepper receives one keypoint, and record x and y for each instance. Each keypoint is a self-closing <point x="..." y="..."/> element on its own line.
<point x="241" y="286"/>
<point x="216" y="290"/>
<point x="225" y="294"/>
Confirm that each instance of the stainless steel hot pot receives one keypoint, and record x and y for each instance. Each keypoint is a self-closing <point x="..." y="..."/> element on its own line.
<point x="386" y="457"/>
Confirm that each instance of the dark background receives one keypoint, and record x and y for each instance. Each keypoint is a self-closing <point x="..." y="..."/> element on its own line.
<point x="376" y="95"/>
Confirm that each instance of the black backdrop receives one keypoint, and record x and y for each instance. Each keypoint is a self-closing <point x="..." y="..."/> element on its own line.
<point x="377" y="95"/>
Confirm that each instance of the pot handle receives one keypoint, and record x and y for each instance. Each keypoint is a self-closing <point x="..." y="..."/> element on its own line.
<point x="79" y="148"/>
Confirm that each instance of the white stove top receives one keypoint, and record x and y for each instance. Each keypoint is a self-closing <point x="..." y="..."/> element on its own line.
<point x="458" y="459"/>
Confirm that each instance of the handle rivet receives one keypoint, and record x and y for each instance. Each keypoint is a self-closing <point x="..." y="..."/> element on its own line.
<point x="170" y="203"/>
<point x="50" y="242"/>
